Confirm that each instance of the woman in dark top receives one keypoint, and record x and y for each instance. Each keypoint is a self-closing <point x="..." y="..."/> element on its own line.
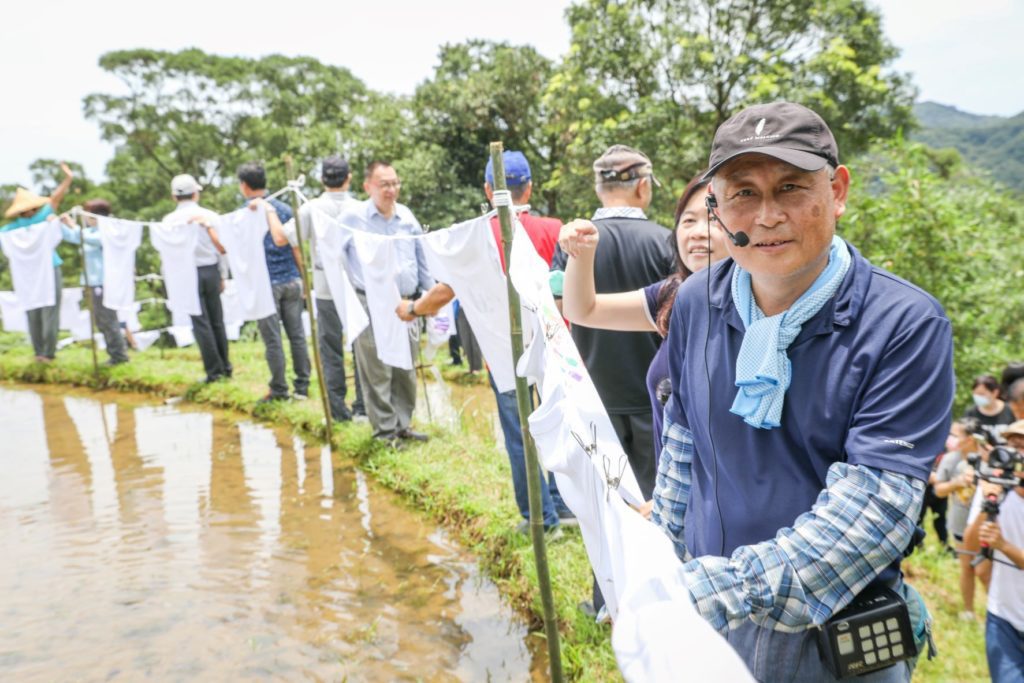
<point x="695" y="244"/>
<point x="989" y="409"/>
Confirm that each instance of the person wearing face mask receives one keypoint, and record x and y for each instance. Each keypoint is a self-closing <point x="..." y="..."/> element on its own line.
<point x="989" y="409"/>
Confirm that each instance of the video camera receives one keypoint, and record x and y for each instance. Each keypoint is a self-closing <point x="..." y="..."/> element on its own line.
<point x="1005" y="468"/>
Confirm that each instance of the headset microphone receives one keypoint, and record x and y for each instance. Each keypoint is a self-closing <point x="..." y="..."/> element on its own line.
<point x="739" y="238"/>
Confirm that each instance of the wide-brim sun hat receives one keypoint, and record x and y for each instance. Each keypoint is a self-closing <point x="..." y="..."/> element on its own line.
<point x="25" y="200"/>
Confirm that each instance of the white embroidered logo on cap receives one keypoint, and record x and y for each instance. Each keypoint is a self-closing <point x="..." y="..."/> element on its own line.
<point x="759" y="134"/>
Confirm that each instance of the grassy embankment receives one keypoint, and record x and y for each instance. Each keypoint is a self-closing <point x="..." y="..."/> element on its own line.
<point x="462" y="480"/>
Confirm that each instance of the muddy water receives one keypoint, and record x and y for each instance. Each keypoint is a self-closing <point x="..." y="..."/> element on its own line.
<point x="470" y="407"/>
<point x="150" y="541"/>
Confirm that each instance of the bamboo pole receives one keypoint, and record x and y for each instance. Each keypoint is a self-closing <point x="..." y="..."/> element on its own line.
<point x="523" y="402"/>
<point x="307" y="288"/>
<point x="83" y="221"/>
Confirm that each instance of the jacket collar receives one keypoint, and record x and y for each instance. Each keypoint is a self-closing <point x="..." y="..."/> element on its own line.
<point x="841" y="310"/>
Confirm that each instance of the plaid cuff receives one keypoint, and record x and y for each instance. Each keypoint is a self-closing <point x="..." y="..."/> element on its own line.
<point x="860" y="524"/>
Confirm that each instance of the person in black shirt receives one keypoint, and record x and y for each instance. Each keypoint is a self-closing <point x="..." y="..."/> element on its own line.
<point x="989" y="409"/>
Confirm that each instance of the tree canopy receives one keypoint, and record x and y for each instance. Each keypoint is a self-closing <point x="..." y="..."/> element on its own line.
<point x="659" y="75"/>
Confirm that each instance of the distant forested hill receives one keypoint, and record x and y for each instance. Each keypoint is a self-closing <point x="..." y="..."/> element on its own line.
<point x="994" y="143"/>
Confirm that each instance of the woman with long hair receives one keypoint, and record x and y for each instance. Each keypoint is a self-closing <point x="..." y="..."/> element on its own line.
<point x="696" y="244"/>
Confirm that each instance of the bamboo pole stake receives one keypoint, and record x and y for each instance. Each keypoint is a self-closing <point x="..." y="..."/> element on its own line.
<point x="82" y="222"/>
<point x="523" y="401"/>
<point x="307" y="288"/>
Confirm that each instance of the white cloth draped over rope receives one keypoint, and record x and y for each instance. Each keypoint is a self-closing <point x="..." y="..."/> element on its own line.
<point x="242" y="233"/>
<point x="120" y="239"/>
<point x="29" y="254"/>
<point x="330" y="242"/>
<point x="658" y="633"/>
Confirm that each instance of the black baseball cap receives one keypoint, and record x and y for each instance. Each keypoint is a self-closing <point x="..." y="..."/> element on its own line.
<point x="335" y="169"/>
<point x="787" y="131"/>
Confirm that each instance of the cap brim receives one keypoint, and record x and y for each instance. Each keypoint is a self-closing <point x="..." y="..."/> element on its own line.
<point x="805" y="161"/>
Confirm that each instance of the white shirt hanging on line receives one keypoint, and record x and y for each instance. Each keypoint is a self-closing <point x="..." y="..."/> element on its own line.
<point x="14" y="318"/>
<point x="465" y="257"/>
<point x="231" y="310"/>
<point x="120" y="240"/>
<point x="176" y="245"/>
<point x="331" y="240"/>
<point x="563" y="365"/>
<point x="72" y="316"/>
<point x="657" y="632"/>
<point x="181" y="328"/>
<point x="380" y="263"/>
<point x="29" y="252"/>
<point x="242" y="233"/>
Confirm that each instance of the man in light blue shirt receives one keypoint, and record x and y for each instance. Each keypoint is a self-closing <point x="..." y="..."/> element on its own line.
<point x="389" y="393"/>
<point x="106" y="318"/>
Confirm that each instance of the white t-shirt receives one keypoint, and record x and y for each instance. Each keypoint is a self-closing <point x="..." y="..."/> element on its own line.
<point x="1006" y="590"/>
<point x="29" y="252"/>
<point x="465" y="257"/>
<point x="334" y="204"/>
<point x="563" y="365"/>
<point x="205" y="252"/>
<point x="241" y="232"/>
<point x="13" y="315"/>
<point x="380" y="263"/>
<point x="120" y="240"/>
<point x="331" y="238"/>
<point x="176" y="245"/>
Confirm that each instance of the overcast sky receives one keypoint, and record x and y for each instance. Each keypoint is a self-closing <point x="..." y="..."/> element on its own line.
<point x="968" y="53"/>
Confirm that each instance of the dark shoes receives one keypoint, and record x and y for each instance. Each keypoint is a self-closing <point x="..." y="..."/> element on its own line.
<point x="567" y="518"/>
<point x="270" y="398"/>
<point x="112" y="362"/>
<point x="410" y="435"/>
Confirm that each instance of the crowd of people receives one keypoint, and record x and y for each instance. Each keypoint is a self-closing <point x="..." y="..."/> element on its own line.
<point x="780" y="399"/>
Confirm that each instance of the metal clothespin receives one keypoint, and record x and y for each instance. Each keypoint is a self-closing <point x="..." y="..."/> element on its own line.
<point x="591" y="448"/>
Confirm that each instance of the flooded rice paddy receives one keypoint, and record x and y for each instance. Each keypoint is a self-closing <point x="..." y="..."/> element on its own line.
<point x="147" y="541"/>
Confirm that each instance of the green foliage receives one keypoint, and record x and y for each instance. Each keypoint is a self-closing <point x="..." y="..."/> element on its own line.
<point x="994" y="143"/>
<point x="662" y="75"/>
<point x="928" y="218"/>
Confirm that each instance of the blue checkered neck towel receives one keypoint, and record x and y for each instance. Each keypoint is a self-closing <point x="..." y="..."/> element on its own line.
<point x="763" y="369"/>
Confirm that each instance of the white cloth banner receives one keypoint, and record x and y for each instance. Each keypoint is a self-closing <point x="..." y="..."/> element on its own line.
<point x="466" y="258"/>
<point x="177" y="247"/>
<point x="120" y="239"/>
<point x="242" y="234"/>
<point x="330" y="246"/>
<point x="391" y="333"/>
<point x="29" y="254"/>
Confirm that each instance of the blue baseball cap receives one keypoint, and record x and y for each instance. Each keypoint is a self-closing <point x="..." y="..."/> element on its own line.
<point x="517" y="169"/>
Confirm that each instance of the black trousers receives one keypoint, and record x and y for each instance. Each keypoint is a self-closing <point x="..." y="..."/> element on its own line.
<point x="208" y="327"/>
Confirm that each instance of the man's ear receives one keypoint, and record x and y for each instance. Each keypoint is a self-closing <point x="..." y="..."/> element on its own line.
<point x="840" y="190"/>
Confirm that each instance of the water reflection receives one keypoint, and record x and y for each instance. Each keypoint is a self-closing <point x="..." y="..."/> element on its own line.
<point x="167" y="543"/>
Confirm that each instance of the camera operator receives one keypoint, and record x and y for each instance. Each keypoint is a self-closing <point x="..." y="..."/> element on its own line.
<point x="1004" y="628"/>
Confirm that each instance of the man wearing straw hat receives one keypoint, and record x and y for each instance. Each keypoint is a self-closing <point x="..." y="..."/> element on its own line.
<point x="29" y="209"/>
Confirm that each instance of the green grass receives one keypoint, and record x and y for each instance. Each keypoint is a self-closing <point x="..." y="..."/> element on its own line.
<point x="462" y="481"/>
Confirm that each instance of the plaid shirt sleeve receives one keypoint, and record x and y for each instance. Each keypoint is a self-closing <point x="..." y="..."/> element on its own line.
<point x="859" y="525"/>
<point x="672" y="484"/>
